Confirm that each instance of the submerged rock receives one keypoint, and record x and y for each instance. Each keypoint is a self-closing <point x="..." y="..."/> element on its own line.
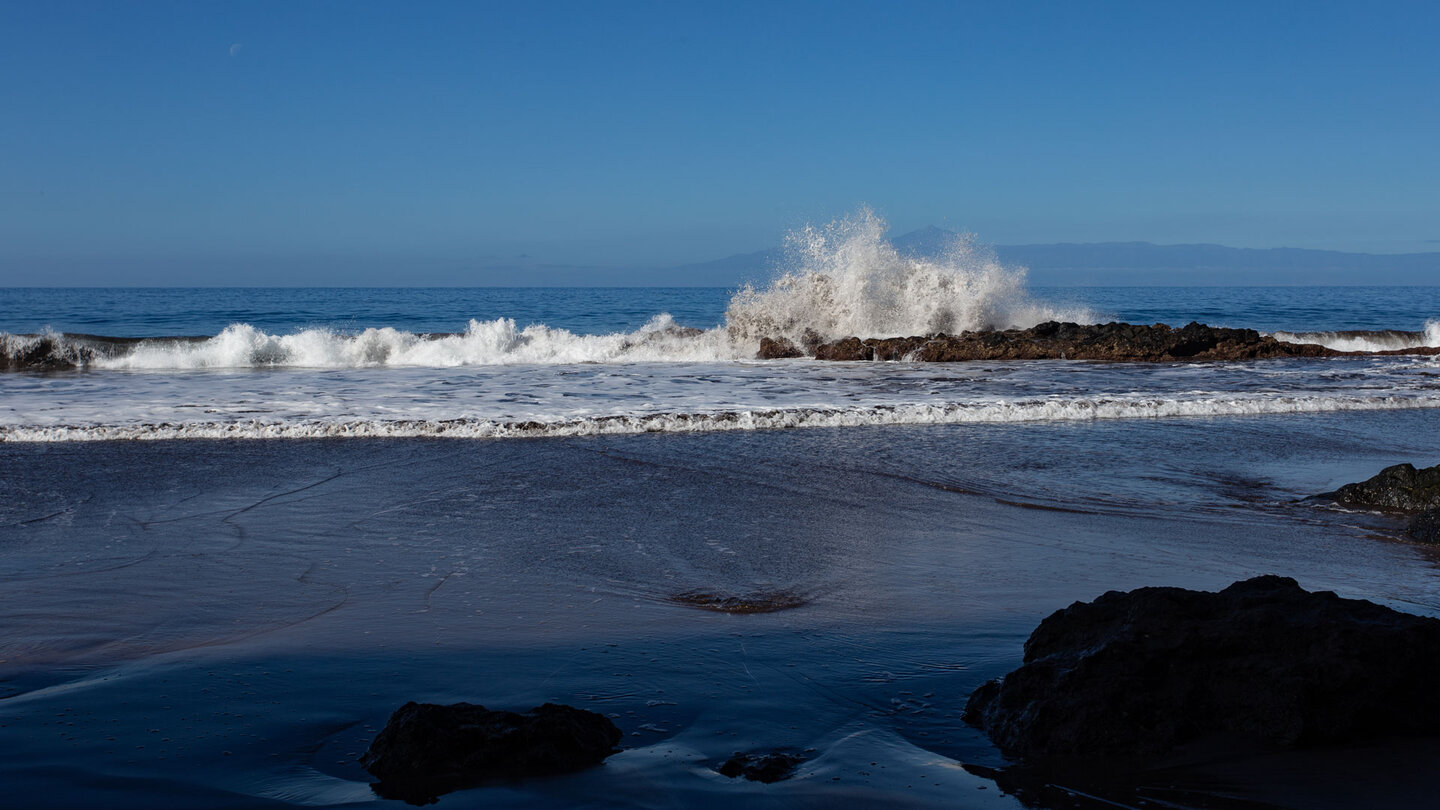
<point x="1400" y="488"/>
<point x="768" y="767"/>
<point x="758" y="602"/>
<point x="1112" y="342"/>
<point x="1262" y="663"/>
<point x="428" y="749"/>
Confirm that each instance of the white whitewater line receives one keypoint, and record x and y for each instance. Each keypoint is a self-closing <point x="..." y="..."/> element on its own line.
<point x="484" y="343"/>
<point x="945" y="414"/>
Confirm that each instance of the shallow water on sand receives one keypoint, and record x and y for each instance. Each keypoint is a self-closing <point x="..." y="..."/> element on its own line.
<point x="228" y="623"/>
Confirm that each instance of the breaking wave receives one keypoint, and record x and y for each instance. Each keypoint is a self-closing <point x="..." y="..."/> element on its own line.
<point x="843" y="279"/>
<point x="1038" y="410"/>
<point x="497" y="342"/>
<point x="1368" y="341"/>
<point x="846" y="279"/>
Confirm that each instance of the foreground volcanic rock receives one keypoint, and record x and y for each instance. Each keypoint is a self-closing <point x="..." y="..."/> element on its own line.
<point x="1400" y="488"/>
<point x="1133" y="676"/>
<point x="1113" y="342"/>
<point x="428" y="749"/>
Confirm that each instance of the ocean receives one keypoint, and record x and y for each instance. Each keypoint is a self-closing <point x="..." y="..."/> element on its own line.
<point x="480" y="363"/>
<point x="253" y="522"/>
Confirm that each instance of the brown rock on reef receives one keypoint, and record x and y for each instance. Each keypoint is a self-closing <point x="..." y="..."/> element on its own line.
<point x="776" y="349"/>
<point x="428" y="749"/>
<point x="850" y="348"/>
<point x="1110" y="342"/>
<point x="1134" y="676"/>
<point x="1113" y="342"/>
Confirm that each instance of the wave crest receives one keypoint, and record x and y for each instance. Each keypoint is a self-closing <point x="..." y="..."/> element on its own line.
<point x="847" y="279"/>
<point x="497" y="342"/>
<point x="1368" y="341"/>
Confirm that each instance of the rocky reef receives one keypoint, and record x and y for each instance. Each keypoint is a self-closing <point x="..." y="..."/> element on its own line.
<point x="428" y="749"/>
<point x="1109" y="342"/>
<point x="1262" y="665"/>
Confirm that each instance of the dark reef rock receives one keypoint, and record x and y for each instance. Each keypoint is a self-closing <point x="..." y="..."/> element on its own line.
<point x="776" y="349"/>
<point x="1400" y="488"/>
<point x="1263" y="663"/>
<point x="1114" y="342"/>
<point x="1110" y="342"/>
<point x="850" y="348"/>
<point x="1425" y="527"/>
<point x="768" y="767"/>
<point x="428" y="749"/>
<point x="758" y="602"/>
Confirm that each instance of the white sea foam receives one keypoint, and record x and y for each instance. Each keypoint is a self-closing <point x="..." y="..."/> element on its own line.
<point x="1045" y="410"/>
<point x="497" y="342"/>
<point x="846" y="279"/>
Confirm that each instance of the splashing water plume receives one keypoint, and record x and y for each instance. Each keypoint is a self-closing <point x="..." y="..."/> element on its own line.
<point x="847" y="279"/>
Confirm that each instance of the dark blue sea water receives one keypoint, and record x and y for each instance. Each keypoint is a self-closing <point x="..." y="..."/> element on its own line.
<point x="155" y="312"/>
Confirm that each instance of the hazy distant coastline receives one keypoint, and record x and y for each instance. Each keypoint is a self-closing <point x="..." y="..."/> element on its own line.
<point x="1123" y="264"/>
<point x="1065" y="264"/>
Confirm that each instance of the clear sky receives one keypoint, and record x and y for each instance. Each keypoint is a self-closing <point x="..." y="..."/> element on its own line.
<point x="300" y="137"/>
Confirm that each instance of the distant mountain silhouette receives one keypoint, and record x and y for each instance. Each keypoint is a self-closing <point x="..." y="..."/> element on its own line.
<point x="1124" y="264"/>
<point x="1140" y="263"/>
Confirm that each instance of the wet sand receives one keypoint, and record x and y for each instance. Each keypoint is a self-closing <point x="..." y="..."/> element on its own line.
<point x="227" y="624"/>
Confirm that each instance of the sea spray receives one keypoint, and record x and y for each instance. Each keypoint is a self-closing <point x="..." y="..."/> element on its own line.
<point x="846" y="279"/>
<point x="842" y="279"/>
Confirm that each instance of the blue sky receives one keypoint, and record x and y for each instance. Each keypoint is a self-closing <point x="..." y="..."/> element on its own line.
<point x="313" y="136"/>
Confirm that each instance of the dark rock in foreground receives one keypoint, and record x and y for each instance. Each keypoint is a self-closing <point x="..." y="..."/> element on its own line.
<point x="1111" y="342"/>
<point x="1263" y="663"/>
<point x="1400" y="488"/>
<point x="1425" y="527"/>
<point x="767" y="768"/>
<point x="428" y="749"/>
